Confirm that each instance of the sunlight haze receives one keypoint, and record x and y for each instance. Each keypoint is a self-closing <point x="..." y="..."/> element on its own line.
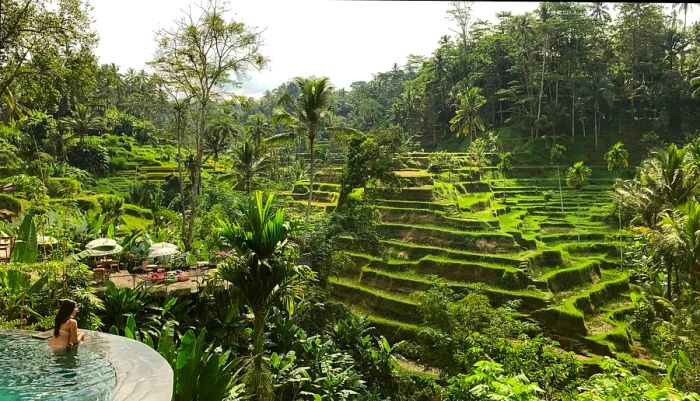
<point x="345" y="40"/>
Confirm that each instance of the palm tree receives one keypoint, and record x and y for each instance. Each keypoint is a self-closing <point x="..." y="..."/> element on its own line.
<point x="219" y="135"/>
<point x="307" y="114"/>
<point x="263" y="272"/>
<point x="597" y="95"/>
<point x="505" y="165"/>
<point x="680" y="232"/>
<point x="82" y="120"/>
<point x="467" y="118"/>
<point x="666" y="172"/>
<point x="618" y="158"/>
<point x="599" y="11"/>
<point x="556" y="156"/>
<point x="249" y="162"/>
<point x="644" y="201"/>
<point x="259" y="129"/>
<point x="577" y="177"/>
<point x="684" y="8"/>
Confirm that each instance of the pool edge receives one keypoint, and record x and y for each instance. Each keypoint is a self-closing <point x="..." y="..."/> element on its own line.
<point x="142" y="374"/>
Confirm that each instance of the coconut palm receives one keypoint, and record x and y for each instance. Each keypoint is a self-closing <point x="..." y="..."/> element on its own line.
<point x="263" y="272"/>
<point x="598" y="95"/>
<point x="467" y="119"/>
<point x="577" y="177"/>
<point x="644" y="201"/>
<point x="249" y="163"/>
<point x="504" y="166"/>
<point x="82" y="120"/>
<point x="618" y="158"/>
<point x="667" y="173"/>
<point x="259" y="129"/>
<point x="307" y="115"/>
<point x="599" y="11"/>
<point x="680" y="234"/>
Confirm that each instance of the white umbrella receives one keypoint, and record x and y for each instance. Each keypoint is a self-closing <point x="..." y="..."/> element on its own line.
<point x="101" y="251"/>
<point x="46" y="240"/>
<point x="101" y="242"/>
<point x="164" y="251"/>
<point x="159" y="245"/>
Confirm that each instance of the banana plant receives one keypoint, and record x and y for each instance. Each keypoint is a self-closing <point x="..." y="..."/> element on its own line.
<point x="26" y="248"/>
<point x="199" y="373"/>
<point x="17" y="294"/>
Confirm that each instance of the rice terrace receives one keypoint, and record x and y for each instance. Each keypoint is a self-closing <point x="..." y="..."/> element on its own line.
<point x="498" y="201"/>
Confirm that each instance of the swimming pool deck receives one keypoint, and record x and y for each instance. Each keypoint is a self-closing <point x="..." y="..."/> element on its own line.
<point x="141" y="373"/>
<point x="196" y="282"/>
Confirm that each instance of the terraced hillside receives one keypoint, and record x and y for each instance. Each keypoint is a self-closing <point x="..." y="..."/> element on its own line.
<point x="559" y="259"/>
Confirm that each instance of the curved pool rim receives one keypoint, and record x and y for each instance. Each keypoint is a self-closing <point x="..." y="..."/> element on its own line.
<point x="142" y="374"/>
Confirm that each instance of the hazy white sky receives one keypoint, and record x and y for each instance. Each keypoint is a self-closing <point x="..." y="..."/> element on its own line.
<point x="345" y="40"/>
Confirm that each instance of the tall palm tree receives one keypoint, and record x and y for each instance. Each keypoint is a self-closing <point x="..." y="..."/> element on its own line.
<point x="258" y="127"/>
<point x="82" y="120"/>
<point x="599" y="11"/>
<point x="680" y="232"/>
<point x="666" y="172"/>
<point x="577" y="177"/>
<point x="618" y="158"/>
<point x="263" y="272"/>
<point x="249" y="162"/>
<point x="641" y="199"/>
<point x="307" y="115"/>
<point x="597" y="95"/>
<point x="219" y="135"/>
<point x="467" y="118"/>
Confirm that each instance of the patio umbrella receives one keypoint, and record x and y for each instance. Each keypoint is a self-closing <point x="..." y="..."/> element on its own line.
<point x="46" y="240"/>
<point x="100" y="251"/>
<point x="101" y="242"/>
<point x="163" y="251"/>
<point x="160" y="245"/>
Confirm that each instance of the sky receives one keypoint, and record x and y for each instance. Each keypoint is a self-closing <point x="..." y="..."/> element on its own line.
<point x="347" y="41"/>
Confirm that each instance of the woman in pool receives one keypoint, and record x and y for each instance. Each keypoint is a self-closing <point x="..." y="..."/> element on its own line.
<point x="65" y="329"/>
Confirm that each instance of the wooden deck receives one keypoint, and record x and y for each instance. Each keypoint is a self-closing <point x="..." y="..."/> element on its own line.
<point x="197" y="280"/>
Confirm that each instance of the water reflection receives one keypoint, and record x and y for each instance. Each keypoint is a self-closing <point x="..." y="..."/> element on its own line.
<point x="67" y="362"/>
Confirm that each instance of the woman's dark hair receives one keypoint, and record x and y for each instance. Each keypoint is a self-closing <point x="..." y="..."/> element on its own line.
<point x="64" y="312"/>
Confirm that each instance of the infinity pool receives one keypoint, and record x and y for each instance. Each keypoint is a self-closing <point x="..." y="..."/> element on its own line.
<point x="31" y="371"/>
<point x="103" y="368"/>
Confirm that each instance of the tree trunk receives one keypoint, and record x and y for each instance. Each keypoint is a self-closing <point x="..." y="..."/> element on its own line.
<point x="312" y="173"/>
<point x="261" y="388"/>
<point x="561" y="196"/>
<point x="595" y="125"/>
<point x="196" y="176"/>
<point x="578" y="217"/>
<point x="573" y="111"/>
<point x="669" y="280"/>
<point x="539" y="99"/>
<point x="180" y="179"/>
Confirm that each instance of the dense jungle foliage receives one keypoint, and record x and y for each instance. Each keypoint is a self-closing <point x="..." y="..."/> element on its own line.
<point x="513" y="217"/>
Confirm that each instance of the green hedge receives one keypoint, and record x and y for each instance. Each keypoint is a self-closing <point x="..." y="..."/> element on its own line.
<point x="63" y="187"/>
<point x="10" y="203"/>
<point x="376" y="303"/>
<point x="133" y="210"/>
<point x="560" y="321"/>
<point x="572" y="277"/>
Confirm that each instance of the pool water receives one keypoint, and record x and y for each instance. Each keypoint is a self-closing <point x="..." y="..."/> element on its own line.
<point x="31" y="371"/>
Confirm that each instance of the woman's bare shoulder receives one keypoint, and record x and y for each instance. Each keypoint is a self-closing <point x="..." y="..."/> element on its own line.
<point x="73" y="322"/>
